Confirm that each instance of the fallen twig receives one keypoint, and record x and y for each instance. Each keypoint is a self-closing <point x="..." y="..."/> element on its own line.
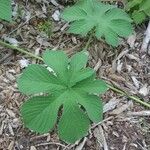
<point x="99" y="123"/>
<point x="100" y="136"/>
<point x="146" y="40"/>
<point x="81" y="145"/>
<point x="140" y="113"/>
<point x="51" y="143"/>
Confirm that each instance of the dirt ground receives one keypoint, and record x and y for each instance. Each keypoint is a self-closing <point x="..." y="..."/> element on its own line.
<point x="35" y="28"/>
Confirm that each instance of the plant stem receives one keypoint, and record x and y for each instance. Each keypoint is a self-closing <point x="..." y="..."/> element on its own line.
<point x="20" y="50"/>
<point x="137" y="99"/>
<point x="88" y="42"/>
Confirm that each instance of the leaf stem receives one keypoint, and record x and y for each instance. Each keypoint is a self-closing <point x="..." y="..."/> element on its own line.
<point x="19" y="49"/>
<point x="135" y="98"/>
<point x="88" y="42"/>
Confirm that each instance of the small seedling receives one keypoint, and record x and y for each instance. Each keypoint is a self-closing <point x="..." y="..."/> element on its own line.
<point x="5" y="10"/>
<point x="70" y="88"/>
<point x="106" y="20"/>
<point x="46" y="27"/>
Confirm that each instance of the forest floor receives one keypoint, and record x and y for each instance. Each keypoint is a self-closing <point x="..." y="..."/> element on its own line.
<point x="37" y="28"/>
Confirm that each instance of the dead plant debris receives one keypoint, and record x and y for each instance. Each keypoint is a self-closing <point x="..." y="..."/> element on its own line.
<point x="129" y="125"/>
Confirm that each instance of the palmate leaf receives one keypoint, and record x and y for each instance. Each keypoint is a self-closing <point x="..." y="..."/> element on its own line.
<point x="5" y="10"/>
<point x="106" y="20"/>
<point x="70" y="88"/>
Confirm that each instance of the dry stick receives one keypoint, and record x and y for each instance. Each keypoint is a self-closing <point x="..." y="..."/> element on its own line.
<point x="137" y="99"/>
<point x="51" y="143"/>
<point x="146" y="39"/>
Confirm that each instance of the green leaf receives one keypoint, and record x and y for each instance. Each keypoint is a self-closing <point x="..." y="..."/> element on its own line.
<point x="145" y="5"/>
<point x="73" y="124"/>
<point x="118" y="15"/>
<point x="5" y="10"/>
<point x="71" y="88"/>
<point x="107" y="21"/>
<point x="92" y="104"/>
<point x="75" y="13"/>
<point x="138" y="17"/>
<point x="147" y="12"/>
<point x="81" y="27"/>
<point x="133" y="3"/>
<point x="80" y="75"/>
<point x="36" y="79"/>
<point x="58" y="61"/>
<point x="139" y="10"/>
<point x="91" y="86"/>
<point x="40" y="113"/>
<point x="111" y="37"/>
<point x="117" y="27"/>
<point x="78" y="61"/>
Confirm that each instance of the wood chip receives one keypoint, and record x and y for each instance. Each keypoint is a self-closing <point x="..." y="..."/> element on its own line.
<point x="135" y="81"/>
<point x="2" y="127"/>
<point x="144" y="90"/>
<point x="11" y="145"/>
<point x="122" y="108"/>
<point x="33" y="148"/>
<point x="131" y="40"/>
<point x="99" y="134"/>
<point x="81" y="145"/>
<point x="110" y="105"/>
<point x="10" y="113"/>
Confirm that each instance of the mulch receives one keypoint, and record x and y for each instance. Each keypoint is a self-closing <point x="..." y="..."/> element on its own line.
<point x="124" y="67"/>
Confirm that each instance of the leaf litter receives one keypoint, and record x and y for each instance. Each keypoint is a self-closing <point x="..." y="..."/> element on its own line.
<point x="128" y="129"/>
